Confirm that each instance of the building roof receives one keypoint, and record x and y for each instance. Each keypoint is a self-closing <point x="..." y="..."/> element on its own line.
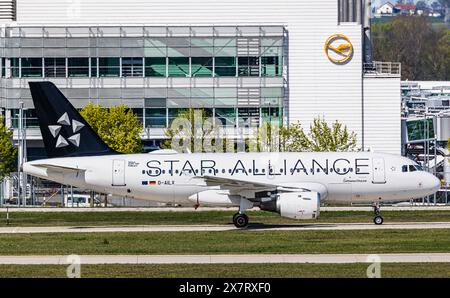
<point x="405" y="6"/>
<point x="387" y="3"/>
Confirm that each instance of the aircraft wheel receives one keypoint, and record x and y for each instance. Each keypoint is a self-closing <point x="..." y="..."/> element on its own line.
<point x="240" y="220"/>
<point x="378" y="220"/>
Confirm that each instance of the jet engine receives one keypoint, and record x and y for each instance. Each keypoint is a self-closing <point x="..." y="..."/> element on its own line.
<point x="296" y="205"/>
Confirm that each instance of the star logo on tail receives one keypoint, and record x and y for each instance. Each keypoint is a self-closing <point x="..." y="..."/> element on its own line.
<point x="55" y="130"/>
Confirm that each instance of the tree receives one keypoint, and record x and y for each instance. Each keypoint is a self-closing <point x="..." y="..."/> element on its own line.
<point x="118" y="126"/>
<point x="7" y="150"/>
<point x="445" y="4"/>
<point x="421" y="5"/>
<point x="412" y="41"/>
<point x="436" y="6"/>
<point x="269" y="137"/>
<point x="320" y="138"/>
<point x="443" y="52"/>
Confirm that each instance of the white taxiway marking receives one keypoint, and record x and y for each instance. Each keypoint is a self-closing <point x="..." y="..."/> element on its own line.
<point x="216" y="228"/>
<point x="191" y="209"/>
<point x="229" y="259"/>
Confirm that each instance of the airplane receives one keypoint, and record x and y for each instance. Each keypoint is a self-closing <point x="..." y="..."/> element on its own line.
<point x="292" y="184"/>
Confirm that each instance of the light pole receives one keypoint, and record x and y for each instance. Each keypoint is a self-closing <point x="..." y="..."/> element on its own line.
<point x="427" y="145"/>
<point x="24" y="157"/>
<point x="147" y="131"/>
<point x="20" y="152"/>
<point x="3" y="182"/>
<point x="21" y="177"/>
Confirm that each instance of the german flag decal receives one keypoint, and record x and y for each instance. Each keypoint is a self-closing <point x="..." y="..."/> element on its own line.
<point x="148" y="182"/>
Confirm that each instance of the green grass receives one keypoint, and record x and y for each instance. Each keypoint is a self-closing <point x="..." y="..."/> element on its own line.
<point x="203" y="217"/>
<point x="229" y="242"/>
<point x="231" y="270"/>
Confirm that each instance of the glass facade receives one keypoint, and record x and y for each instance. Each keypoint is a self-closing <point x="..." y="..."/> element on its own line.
<point x="29" y="118"/>
<point x="54" y="67"/>
<point x="78" y="67"/>
<point x="154" y="67"/>
<point x="132" y="67"/>
<point x="30" y="67"/>
<point x="109" y="67"/>
<point x="236" y="74"/>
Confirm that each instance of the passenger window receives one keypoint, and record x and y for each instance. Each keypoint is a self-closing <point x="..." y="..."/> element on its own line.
<point x="404" y="169"/>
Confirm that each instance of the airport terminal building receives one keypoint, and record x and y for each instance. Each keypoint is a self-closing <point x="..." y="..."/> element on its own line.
<point x="242" y="61"/>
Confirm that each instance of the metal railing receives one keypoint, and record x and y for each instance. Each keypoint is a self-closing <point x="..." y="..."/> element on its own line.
<point x="378" y="68"/>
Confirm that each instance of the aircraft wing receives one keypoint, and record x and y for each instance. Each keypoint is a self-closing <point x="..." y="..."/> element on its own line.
<point x="236" y="185"/>
<point x="230" y="183"/>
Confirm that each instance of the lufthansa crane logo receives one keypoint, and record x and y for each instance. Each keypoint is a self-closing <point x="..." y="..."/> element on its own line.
<point x="339" y="49"/>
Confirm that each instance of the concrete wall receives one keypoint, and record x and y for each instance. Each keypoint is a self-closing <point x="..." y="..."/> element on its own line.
<point x="382" y="106"/>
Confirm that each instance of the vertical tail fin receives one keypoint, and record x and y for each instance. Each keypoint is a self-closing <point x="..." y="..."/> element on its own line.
<point x="64" y="130"/>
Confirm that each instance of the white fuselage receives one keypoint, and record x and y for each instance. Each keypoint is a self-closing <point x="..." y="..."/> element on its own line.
<point x="171" y="177"/>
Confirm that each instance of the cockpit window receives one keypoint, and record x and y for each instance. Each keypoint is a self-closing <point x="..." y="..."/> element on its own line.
<point x="411" y="168"/>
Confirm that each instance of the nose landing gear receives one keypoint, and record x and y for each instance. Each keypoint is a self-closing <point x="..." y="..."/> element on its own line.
<point x="378" y="220"/>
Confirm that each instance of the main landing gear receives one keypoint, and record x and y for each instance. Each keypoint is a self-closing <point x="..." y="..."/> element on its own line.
<point x="240" y="219"/>
<point x="378" y="220"/>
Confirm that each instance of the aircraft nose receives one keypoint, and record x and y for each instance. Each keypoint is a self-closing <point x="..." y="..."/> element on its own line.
<point x="433" y="183"/>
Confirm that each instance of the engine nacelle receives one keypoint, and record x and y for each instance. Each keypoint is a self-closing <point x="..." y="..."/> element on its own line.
<point x="296" y="205"/>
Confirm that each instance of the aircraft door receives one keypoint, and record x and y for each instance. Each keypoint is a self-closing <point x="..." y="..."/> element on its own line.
<point x="378" y="171"/>
<point x="118" y="173"/>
